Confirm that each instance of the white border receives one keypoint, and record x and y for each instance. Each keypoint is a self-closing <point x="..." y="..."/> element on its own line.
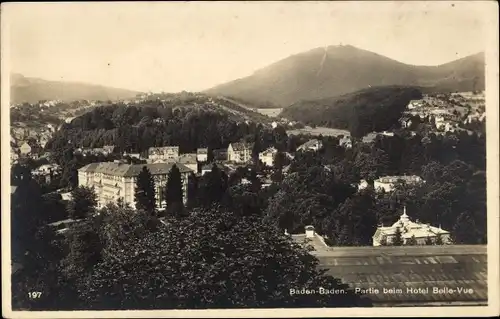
<point x="492" y="107"/>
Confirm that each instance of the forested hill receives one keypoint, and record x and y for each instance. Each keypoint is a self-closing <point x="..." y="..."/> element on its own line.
<point x="188" y="122"/>
<point x="361" y="112"/>
<point x="30" y="90"/>
<point x="340" y="69"/>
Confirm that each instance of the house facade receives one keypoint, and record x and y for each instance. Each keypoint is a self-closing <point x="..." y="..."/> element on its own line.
<point x="202" y="155"/>
<point x="163" y="153"/>
<point x="239" y="152"/>
<point x="267" y="157"/>
<point x="409" y="229"/>
<point x="114" y="180"/>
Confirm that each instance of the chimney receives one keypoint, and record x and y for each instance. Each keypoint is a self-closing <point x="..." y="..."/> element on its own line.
<point x="286" y="232"/>
<point x="309" y="231"/>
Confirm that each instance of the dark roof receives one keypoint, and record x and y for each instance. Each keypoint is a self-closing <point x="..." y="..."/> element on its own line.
<point x="127" y="170"/>
<point x="240" y="146"/>
<point x="443" y="267"/>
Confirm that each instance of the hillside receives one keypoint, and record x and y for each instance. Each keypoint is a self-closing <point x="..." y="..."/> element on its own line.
<point x="31" y="90"/>
<point x="323" y="73"/>
<point x="361" y="112"/>
<point x="189" y="120"/>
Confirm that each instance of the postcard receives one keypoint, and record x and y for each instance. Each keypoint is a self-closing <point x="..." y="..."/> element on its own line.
<point x="250" y="159"/>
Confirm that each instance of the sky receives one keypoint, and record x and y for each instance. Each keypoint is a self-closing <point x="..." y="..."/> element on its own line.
<point x="193" y="46"/>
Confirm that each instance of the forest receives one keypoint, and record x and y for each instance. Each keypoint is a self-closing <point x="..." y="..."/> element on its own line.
<point x="370" y="110"/>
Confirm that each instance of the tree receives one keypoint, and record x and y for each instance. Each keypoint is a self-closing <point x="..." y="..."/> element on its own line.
<point x="383" y="241"/>
<point x="213" y="186"/>
<point x="219" y="260"/>
<point x="83" y="202"/>
<point x="439" y="240"/>
<point x="69" y="176"/>
<point x="398" y="239"/>
<point x="27" y="250"/>
<point x="412" y="241"/>
<point x="192" y="191"/>
<point x="84" y="249"/>
<point x="145" y="198"/>
<point x="174" y="193"/>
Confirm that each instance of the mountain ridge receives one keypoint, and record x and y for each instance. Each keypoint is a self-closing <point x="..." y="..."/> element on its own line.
<point x="32" y="89"/>
<point x="335" y="70"/>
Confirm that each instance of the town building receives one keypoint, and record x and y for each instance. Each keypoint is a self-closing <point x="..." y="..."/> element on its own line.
<point x="267" y="157"/>
<point x="47" y="171"/>
<point x="114" y="180"/>
<point x="239" y="152"/>
<point x="190" y="160"/>
<point x="362" y="184"/>
<point x="163" y="153"/>
<point x="409" y="229"/>
<point x="202" y="155"/>
<point x="345" y="141"/>
<point x="387" y="183"/>
<point x="405" y="121"/>
<point x="414" y="104"/>
<point x="312" y="145"/>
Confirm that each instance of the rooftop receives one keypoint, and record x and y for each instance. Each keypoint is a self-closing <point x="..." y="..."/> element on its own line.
<point x="393" y="179"/>
<point x="403" y="267"/>
<point x="127" y="170"/>
<point x="240" y="146"/>
<point x="310" y="143"/>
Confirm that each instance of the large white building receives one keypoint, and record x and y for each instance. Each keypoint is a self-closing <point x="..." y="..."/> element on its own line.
<point x="163" y="153"/>
<point x="387" y="183"/>
<point x="409" y="229"/>
<point x="114" y="180"/>
<point x="267" y="157"/>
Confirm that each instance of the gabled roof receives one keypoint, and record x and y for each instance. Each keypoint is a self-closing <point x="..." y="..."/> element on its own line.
<point x="202" y="151"/>
<point x="241" y="146"/>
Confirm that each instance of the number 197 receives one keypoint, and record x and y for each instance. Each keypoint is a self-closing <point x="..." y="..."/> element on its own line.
<point x="35" y="294"/>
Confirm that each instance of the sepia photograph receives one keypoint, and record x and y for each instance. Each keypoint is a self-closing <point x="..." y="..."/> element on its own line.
<point x="238" y="159"/>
